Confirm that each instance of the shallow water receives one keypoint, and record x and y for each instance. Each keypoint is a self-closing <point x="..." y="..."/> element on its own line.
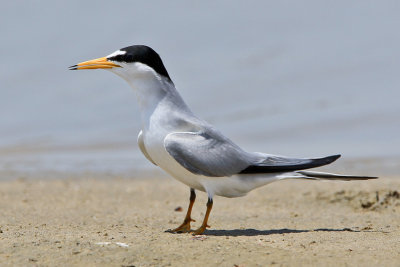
<point x="278" y="77"/>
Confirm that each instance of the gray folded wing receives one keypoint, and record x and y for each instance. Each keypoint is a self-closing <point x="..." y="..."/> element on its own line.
<point x="211" y="154"/>
<point x="206" y="154"/>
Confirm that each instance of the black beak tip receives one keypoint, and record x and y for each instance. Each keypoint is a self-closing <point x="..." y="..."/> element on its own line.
<point x="73" y="67"/>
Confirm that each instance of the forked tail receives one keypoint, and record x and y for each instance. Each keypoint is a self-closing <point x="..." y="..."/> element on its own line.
<point x="323" y="176"/>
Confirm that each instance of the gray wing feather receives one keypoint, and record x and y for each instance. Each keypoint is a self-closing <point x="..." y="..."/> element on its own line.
<point x="207" y="154"/>
<point x="273" y="160"/>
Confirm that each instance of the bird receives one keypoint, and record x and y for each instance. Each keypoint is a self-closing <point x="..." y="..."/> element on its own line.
<point x="190" y="149"/>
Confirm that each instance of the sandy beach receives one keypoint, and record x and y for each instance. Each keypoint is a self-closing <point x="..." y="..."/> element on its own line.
<point x="105" y="220"/>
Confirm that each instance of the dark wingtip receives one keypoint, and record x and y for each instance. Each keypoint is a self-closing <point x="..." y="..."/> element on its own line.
<point x="73" y="67"/>
<point x="333" y="157"/>
<point x="312" y="163"/>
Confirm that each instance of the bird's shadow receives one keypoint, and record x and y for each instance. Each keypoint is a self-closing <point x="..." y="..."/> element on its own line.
<point x="254" y="232"/>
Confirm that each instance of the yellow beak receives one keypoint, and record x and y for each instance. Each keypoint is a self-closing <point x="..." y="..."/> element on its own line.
<point x="98" y="63"/>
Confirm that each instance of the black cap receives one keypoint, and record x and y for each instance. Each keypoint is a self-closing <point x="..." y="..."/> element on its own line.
<point x="142" y="54"/>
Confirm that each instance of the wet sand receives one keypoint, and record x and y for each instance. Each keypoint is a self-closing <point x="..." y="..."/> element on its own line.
<point x="111" y="221"/>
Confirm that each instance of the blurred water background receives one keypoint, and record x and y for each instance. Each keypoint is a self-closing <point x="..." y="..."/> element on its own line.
<point x="307" y="79"/>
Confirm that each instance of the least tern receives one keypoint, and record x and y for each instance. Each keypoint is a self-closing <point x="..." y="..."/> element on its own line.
<point x="190" y="149"/>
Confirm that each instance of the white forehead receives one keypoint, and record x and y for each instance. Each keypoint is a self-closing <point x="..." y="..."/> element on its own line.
<point x="116" y="53"/>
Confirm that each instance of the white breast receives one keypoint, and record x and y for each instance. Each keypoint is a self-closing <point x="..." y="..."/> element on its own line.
<point x="153" y="139"/>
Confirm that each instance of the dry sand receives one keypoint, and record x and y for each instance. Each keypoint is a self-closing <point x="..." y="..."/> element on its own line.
<point x="110" y="221"/>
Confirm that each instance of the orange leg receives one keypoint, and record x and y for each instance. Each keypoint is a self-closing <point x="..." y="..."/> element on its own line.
<point x="185" y="226"/>
<point x="204" y="225"/>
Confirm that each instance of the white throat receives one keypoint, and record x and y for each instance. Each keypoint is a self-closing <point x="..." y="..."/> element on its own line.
<point x="151" y="90"/>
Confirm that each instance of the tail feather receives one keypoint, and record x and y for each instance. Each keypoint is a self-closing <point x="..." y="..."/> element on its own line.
<point x="330" y="176"/>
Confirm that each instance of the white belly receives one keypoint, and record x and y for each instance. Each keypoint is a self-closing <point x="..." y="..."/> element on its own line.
<point x="236" y="185"/>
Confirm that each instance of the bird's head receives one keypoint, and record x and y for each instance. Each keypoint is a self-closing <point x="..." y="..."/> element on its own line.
<point x="130" y="62"/>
